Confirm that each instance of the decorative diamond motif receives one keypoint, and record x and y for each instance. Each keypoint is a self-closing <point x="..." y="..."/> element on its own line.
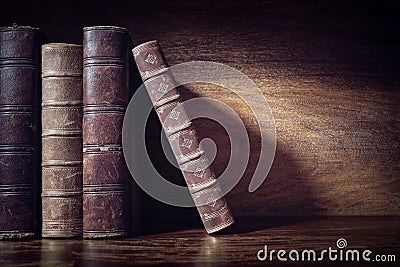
<point x="211" y="201"/>
<point x="162" y="87"/>
<point x="198" y="172"/>
<point x="150" y="58"/>
<point x="174" y="114"/>
<point x="187" y="143"/>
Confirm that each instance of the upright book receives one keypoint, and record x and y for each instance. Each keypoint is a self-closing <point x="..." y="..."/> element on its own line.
<point x="106" y="192"/>
<point x="61" y="140"/>
<point x="182" y="136"/>
<point x="19" y="91"/>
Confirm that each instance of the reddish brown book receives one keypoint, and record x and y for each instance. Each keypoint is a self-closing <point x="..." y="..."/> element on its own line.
<point x="106" y="181"/>
<point x="19" y="138"/>
<point x="182" y="137"/>
<point x="61" y="140"/>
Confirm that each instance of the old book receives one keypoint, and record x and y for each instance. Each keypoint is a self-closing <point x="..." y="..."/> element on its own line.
<point x="182" y="136"/>
<point x="106" y="182"/>
<point x="61" y="140"/>
<point x="19" y="91"/>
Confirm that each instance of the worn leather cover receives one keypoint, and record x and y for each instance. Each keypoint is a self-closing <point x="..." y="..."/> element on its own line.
<point x="182" y="137"/>
<point x="19" y="80"/>
<point x="61" y="140"/>
<point x="106" y="193"/>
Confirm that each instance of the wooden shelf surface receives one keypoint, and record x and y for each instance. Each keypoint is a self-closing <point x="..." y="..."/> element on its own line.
<point x="173" y="245"/>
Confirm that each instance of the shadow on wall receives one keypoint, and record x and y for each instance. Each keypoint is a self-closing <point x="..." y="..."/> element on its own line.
<point x="284" y="192"/>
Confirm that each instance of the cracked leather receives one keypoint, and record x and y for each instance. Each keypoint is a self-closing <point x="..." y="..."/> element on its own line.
<point x="61" y="140"/>
<point x="106" y="195"/>
<point x="19" y="139"/>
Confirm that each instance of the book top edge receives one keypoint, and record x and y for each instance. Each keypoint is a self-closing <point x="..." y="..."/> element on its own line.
<point x="60" y="45"/>
<point x="93" y="28"/>
<point x="146" y="45"/>
<point x="18" y="28"/>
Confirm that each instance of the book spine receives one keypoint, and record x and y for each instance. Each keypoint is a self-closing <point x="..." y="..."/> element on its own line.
<point x="182" y="136"/>
<point x="19" y="91"/>
<point x="61" y="140"/>
<point x="106" y="196"/>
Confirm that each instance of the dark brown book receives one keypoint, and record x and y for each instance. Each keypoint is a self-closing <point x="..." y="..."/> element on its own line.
<point x="61" y="140"/>
<point x="106" y="181"/>
<point x="182" y="136"/>
<point x="19" y="91"/>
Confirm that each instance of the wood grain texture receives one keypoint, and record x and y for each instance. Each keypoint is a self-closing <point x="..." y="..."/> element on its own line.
<point x="329" y="71"/>
<point x="193" y="247"/>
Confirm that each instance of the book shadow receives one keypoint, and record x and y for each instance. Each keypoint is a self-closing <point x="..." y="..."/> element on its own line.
<point x="284" y="198"/>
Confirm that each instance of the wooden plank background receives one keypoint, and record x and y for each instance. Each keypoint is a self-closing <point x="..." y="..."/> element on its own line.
<point x="330" y="73"/>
